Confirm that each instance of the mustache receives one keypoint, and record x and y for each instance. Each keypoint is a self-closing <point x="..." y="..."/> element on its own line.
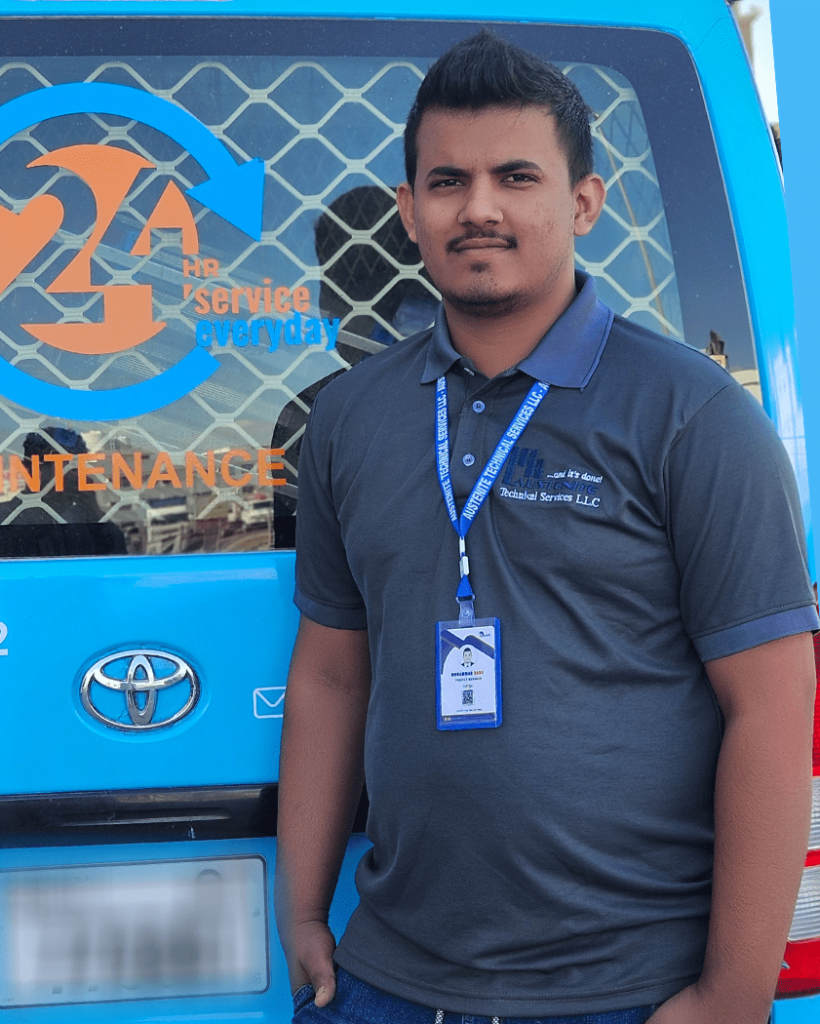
<point x="470" y="236"/>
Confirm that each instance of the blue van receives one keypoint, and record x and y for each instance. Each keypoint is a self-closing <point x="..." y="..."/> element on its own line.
<point x="197" y="231"/>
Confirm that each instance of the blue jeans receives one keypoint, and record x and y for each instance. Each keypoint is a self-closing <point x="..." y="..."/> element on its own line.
<point x="359" y="1003"/>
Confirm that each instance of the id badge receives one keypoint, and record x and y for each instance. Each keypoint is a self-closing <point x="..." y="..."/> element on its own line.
<point x="468" y="670"/>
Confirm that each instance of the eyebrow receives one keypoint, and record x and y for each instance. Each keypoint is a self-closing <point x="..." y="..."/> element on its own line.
<point x="446" y="171"/>
<point x="450" y="171"/>
<point x="516" y="165"/>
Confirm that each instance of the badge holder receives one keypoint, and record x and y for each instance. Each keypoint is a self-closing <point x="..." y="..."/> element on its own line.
<point x="468" y="670"/>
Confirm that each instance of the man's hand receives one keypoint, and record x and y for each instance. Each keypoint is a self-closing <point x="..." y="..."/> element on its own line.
<point x="692" y="1006"/>
<point x="311" y="962"/>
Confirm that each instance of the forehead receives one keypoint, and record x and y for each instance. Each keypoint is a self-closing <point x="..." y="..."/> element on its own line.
<point x="488" y="137"/>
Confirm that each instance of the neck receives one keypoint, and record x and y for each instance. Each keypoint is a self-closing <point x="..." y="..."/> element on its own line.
<point x="494" y="344"/>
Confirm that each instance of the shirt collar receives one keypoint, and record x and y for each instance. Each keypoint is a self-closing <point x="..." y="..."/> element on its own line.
<point x="567" y="355"/>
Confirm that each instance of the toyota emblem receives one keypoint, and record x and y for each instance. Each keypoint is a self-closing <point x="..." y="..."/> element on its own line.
<point x="139" y="690"/>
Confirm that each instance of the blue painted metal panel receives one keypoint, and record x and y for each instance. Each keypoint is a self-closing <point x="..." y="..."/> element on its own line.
<point x="231" y="616"/>
<point x="690" y="22"/>
<point x="795" y="29"/>
<point x="804" y="1010"/>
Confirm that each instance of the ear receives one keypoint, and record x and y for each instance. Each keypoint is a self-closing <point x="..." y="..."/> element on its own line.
<point x="405" y="203"/>
<point x="590" y="193"/>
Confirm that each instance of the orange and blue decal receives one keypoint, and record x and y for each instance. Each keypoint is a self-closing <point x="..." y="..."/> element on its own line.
<point x="233" y="191"/>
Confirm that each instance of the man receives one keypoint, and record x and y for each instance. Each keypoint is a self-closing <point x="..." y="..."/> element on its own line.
<point x="618" y="830"/>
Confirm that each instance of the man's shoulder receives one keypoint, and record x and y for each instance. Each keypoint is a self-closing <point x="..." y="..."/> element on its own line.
<point x="640" y="345"/>
<point x="667" y="369"/>
<point x="682" y="396"/>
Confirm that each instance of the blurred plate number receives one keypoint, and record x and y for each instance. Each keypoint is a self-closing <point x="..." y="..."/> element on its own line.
<point x="133" y="931"/>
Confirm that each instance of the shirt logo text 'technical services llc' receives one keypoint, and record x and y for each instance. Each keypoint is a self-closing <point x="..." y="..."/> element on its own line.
<point x="525" y="479"/>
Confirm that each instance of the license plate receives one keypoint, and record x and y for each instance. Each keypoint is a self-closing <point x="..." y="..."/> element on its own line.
<point x="113" y="932"/>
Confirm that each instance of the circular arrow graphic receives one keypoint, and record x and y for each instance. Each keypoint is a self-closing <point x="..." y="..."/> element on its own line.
<point x="116" y="404"/>
<point x="234" y="191"/>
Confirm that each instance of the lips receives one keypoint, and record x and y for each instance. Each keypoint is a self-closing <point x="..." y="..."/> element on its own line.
<point x="470" y="243"/>
<point x="482" y="243"/>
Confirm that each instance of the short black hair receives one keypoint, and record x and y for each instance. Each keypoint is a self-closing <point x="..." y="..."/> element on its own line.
<point x="485" y="70"/>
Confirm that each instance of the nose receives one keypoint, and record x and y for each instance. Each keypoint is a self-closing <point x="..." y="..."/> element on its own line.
<point x="481" y="204"/>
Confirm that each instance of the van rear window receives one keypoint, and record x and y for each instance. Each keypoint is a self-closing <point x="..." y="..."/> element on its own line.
<point x="200" y="231"/>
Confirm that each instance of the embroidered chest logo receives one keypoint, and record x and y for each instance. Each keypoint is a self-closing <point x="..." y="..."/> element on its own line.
<point x="526" y="479"/>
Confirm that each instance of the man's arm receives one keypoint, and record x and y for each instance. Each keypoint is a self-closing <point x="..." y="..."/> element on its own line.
<point x="762" y="813"/>
<point x="321" y="772"/>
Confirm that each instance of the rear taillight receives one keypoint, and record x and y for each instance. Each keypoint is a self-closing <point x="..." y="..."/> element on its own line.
<point x="802" y="975"/>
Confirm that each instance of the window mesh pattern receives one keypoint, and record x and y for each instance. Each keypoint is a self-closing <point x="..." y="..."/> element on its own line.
<point x="330" y="135"/>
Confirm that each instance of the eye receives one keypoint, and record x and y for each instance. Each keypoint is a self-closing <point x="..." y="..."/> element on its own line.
<point x="445" y="183"/>
<point x="519" y="178"/>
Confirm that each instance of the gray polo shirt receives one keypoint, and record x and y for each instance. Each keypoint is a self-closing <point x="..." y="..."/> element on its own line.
<point x="645" y="522"/>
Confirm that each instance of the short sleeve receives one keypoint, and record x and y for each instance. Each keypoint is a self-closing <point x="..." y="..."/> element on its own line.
<point x="736" y="529"/>
<point x="325" y="589"/>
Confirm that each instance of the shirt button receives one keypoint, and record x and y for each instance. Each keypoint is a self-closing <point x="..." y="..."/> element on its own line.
<point x="468" y="459"/>
<point x="478" y="407"/>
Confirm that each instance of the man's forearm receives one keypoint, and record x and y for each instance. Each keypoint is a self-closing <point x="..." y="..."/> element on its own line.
<point x="321" y="773"/>
<point x="762" y="814"/>
<point x="762" y="809"/>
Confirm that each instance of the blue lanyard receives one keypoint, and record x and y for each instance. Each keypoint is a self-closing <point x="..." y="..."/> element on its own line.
<point x="461" y="524"/>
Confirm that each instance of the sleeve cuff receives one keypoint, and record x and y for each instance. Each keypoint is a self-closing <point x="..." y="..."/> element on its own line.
<point x="759" y="631"/>
<point x="330" y="615"/>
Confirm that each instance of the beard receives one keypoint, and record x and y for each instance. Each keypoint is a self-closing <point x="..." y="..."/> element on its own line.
<point x="483" y="299"/>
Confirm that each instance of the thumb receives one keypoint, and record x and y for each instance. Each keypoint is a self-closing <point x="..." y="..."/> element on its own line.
<point x="323" y="980"/>
<point x="317" y="961"/>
